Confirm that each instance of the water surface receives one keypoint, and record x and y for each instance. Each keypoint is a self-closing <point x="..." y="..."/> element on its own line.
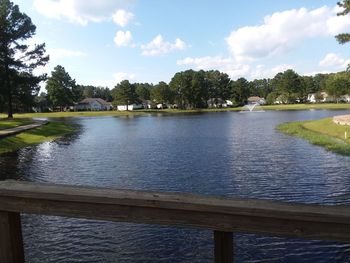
<point x="227" y="154"/>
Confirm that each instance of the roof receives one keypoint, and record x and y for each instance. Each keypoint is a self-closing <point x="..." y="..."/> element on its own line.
<point x="90" y="100"/>
<point x="254" y="98"/>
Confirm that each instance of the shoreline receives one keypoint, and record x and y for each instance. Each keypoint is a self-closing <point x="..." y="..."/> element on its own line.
<point x="49" y="132"/>
<point x="324" y="132"/>
<point x="287" y="107"/>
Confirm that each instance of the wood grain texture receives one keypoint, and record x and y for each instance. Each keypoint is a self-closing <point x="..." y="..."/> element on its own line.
<point x="223" y="247"/>
<point x="215" y="213"/>
<point x="11" y="243"/>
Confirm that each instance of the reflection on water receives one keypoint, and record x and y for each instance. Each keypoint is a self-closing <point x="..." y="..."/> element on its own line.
<point x="229" y="154"/>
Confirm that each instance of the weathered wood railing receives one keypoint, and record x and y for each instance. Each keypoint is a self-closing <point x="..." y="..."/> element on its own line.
<point x="223" y="216"/>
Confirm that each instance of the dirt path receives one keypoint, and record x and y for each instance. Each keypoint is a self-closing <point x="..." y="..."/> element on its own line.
<point x="19" y="129"/>
<point x="342" y="119"/>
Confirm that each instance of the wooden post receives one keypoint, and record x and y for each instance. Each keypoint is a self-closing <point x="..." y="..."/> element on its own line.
<point x="223" y="247"/>
<point x="11" y="242"/>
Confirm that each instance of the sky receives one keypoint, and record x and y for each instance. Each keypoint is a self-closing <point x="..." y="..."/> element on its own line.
<point x="102" y="42"/>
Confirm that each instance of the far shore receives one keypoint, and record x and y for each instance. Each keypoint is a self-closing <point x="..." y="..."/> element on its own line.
<point x="286" y="107"/>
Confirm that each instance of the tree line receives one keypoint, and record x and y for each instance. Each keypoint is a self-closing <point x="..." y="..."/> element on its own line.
<point x="195" y="89"/>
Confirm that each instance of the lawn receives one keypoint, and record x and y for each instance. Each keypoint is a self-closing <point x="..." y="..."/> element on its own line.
<point x="319" y="106"/>
<point x="44" y="133"/>
<point x="322" y="132"/>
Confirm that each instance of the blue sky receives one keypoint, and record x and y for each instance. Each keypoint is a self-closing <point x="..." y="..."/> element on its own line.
<point x="101" y="42"/>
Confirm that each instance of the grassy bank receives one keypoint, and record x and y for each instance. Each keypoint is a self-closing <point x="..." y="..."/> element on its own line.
<point x="7" y="124"/>
<point x="311" y="106"/>
<point x="44" y="133"/>
<point x="322" y="106"/>
<point x="323" y="132"/>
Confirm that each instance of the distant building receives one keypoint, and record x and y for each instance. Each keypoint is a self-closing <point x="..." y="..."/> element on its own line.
<point x="147" y="104"/>
<point x="256" y="100"/>
<point x="321" y="97"/>
<point x="129" y="107"/>
<point x="217" y="103"/>
<point x="93" y="104"/>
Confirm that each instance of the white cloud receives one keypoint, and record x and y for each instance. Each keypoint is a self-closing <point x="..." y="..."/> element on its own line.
<point x="59" y="53"/>
<point x="261" y="71"/>
<point x="159" y="47"/>
<point x="283" y="31"/>
<point x="122" y="17"/>
<point x="114" y="80"/>
<point x="120" y="76"/>
<point x="232" y="68"/>
<point x="313" y="73"/>
<point x="227" y="65"/>
<point x="80" y="11"/>
<point x="123" y="39"/>
<point x="333" y="60"/>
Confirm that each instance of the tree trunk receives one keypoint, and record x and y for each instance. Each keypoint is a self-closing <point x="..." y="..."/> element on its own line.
<point x="9" y="106"/>
<point x="9" y="93"/>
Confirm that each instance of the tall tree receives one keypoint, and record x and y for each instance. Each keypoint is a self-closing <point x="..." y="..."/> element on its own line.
<point x="18" y="59"/>
<point x="143" y="90"/>
<point x="125" y="93"/>
<point x="161" y="93"/>
<point x="345" y="5"/>
<point x="288" y="85"/>
<point x="180" y="84"/>
<point x="60" y="88"/>
<point x="337" y="85"/>
<point x="240" y="91"/>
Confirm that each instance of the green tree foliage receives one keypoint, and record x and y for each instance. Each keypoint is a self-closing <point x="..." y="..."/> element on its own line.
<point x="18" y="59"/>
<point x="90" y="91"/>
<point x="260" y="87"/>
<point x="338" y="85"/>
<point x="161" y="93"/>
<point x="240" y="91"/>
<point x="288" y="85"/>
<point x="217" y="84"/>
<point x="60" y="88"/>
<point x="345" y="5"/>
<point x="125" y="93"/>
<point x="143" y="91"/>
<point x="180" y="85"/>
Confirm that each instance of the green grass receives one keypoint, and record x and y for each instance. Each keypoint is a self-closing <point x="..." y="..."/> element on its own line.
<point x="311" y="106"/>
<point x="325" y="106"/>
<point x="322" y="132"/>
<point x="44" y="133"/>
<point x="7" y="124"/>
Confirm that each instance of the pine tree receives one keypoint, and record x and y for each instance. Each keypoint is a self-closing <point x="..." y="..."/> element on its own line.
<point x="18" y="59"/>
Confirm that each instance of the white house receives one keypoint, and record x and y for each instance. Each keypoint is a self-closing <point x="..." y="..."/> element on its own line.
<point x="130" y="107"/>
<point x="321" y="97"/>
<point x="216" y="103"/>
<point x="345" y="98"/>
<point x="229" y="103"/>
<point x="93" y="104"/>
<point x="311" y="97"/>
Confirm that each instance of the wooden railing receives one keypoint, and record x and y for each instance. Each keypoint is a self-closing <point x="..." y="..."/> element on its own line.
<point x="222" y="215"/>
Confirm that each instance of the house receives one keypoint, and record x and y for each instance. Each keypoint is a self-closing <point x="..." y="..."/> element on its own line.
<point x="312" y="98"/>
<point x="93" y="104"/>
<point x="147" y="104"/>
<point x="217" y="103"/>
<point x="345" y="98"/>
<point x="320" y="97"/>
<point x="129" y="107"/>
<point x="256" y="100"/>
<point x="229" y="103"/>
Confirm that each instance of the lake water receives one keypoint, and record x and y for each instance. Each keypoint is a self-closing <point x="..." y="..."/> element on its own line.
<point x="227" y="154"/>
